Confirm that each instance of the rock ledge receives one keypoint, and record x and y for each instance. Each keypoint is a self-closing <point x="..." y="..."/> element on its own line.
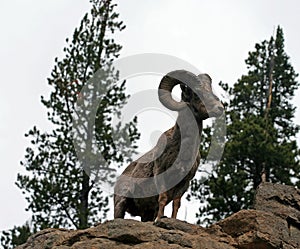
<point x="274" y="223"/>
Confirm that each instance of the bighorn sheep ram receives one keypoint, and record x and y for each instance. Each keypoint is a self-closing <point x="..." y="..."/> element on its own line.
<point x="163" y="174"/>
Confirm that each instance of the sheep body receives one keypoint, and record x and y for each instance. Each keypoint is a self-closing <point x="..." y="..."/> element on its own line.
<point x="164" y="157"/>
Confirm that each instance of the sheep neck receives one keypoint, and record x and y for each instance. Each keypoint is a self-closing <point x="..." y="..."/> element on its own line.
<point x="185" y="129"/>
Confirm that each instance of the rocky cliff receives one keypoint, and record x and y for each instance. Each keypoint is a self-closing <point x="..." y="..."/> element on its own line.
<point x="273" y="223"/>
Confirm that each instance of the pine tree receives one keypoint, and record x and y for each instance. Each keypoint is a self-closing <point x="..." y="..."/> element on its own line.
<point x="261" y="135"/>
<point x="16" y="236"/>
<point x="63" y="190"/>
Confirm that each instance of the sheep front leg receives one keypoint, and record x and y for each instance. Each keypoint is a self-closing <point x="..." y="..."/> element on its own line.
<point x="176" y="206"/>
<point x="162" y="202"/>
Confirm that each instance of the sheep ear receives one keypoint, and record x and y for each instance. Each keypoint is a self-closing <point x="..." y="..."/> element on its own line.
<point x="205" y="78"/>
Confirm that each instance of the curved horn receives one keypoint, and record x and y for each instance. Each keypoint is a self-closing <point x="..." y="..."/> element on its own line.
<point x="167" y="84"/>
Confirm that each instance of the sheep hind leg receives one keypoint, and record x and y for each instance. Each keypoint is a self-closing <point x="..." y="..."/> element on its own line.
<point x="120" y="205"/>
<point x="176" y="206"/>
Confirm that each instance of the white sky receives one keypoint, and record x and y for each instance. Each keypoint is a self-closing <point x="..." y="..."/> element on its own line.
<point x="215" y="36"/>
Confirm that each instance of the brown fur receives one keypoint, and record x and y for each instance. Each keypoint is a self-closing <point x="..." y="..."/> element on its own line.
<point x="151" y="208"/>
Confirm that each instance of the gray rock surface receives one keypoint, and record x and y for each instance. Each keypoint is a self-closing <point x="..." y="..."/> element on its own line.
<point x="274" y="224"/>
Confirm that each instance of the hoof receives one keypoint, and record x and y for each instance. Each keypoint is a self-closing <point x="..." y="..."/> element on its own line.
<point x="158" y="219"/>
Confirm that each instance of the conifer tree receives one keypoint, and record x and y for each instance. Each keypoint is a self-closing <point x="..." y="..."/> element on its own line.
<point x="18" y="235"/>
<point x="261" y="134"/>
<point x="63" y="190"/>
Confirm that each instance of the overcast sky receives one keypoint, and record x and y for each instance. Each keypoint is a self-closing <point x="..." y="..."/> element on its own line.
<point x="215" y="36"/>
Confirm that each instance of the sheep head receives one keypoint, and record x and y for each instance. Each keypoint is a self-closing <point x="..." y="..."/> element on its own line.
<point x="196" y="93"/>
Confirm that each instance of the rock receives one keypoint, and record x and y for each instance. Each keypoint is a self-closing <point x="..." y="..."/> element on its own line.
<point x="281" y="200"/>
<point x="105" y="235"/>
<point x="174" y="224"/>
<point x="123" y="234"/>
<point x="256" y="229"/>
<point x="274" y="223"/>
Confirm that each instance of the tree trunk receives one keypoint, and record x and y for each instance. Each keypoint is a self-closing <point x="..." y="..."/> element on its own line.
<point x="84" y="201"/>
<point x="264" y="174"/>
